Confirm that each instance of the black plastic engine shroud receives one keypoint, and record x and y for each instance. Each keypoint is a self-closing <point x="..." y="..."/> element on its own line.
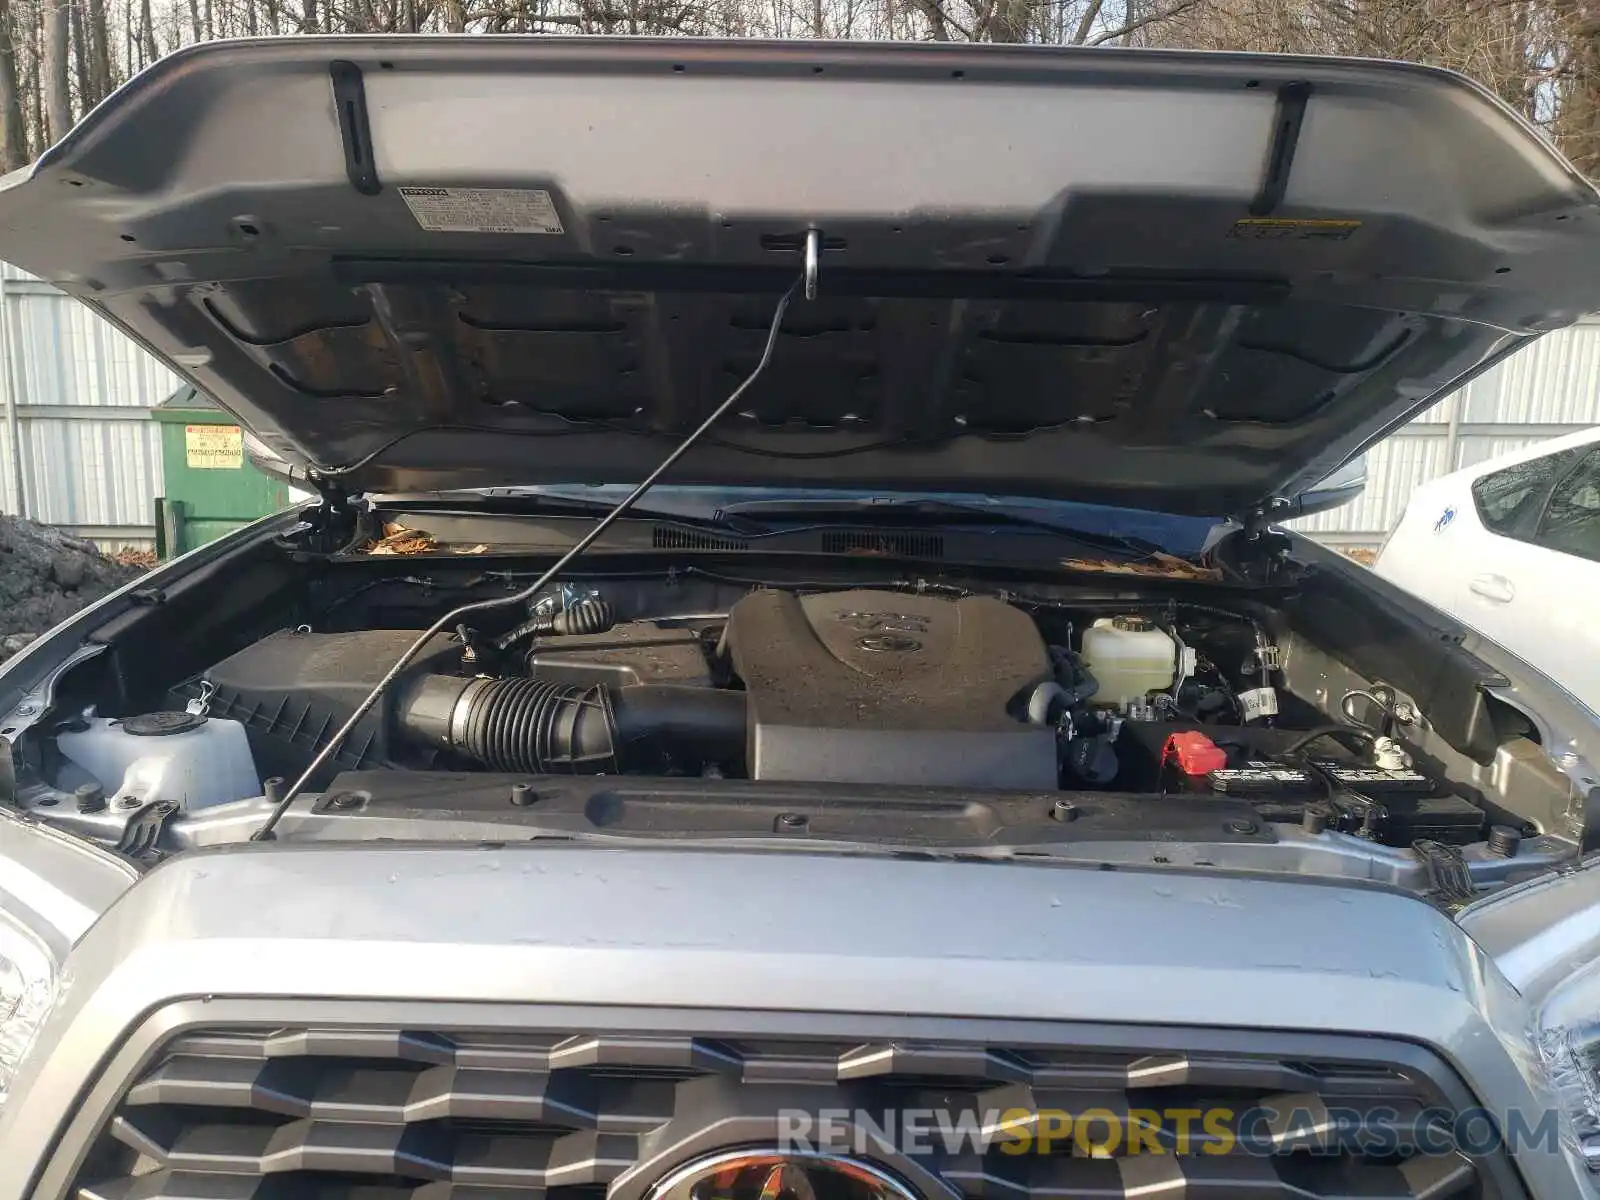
<point x="885" y="687"/>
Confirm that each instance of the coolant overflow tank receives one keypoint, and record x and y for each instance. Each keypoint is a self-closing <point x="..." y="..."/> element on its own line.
<point x="1130" y="658"/>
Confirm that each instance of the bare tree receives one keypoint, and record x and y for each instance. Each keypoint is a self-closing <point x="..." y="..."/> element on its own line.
<point x="1575" y="80"/>
<point x="57" y="87"/>
<point x="148" y="50"/>
<point x="33" y="84"/>
<point x="13" y="133"/>
<point x="78" y="43"/>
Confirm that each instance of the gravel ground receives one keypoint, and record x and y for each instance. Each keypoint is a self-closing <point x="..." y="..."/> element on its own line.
<point x="46" y="576"/>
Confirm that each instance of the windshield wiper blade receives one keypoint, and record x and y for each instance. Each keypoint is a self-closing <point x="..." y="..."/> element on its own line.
<point x="538" y="502"/>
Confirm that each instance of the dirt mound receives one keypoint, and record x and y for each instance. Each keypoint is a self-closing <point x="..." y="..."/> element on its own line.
<point x="45" y="577"/>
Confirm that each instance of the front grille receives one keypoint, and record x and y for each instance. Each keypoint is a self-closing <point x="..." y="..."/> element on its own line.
<point x="340" y="1114"/>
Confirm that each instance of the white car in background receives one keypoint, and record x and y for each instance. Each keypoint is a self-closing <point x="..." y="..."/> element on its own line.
<point x="1511" y="547"/>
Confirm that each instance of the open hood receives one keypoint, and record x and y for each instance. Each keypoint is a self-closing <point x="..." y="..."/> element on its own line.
<point x="1183" y="282"/>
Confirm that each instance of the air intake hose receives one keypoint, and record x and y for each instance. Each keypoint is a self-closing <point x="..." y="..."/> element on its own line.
<point x="534" y="727"/>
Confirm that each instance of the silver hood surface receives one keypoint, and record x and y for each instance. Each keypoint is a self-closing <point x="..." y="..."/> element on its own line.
<point x="1167" y="280"/>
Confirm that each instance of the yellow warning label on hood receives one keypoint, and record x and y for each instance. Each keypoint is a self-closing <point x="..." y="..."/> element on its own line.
<point x="1293" y="229"/>
<point x="213" y="447"/>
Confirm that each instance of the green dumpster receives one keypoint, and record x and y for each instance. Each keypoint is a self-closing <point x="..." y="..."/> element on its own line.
<point x="211" y="487"/>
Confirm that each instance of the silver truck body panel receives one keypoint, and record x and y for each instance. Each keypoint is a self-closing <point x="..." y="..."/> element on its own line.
<point x="561" y="932"/>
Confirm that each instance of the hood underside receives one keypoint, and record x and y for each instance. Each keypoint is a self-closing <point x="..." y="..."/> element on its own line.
<point x="1170" y="281"/>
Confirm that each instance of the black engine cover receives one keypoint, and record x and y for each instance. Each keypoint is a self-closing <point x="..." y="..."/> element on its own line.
<point x="881" y="687"/>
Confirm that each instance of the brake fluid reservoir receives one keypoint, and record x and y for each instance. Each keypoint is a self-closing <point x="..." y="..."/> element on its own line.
<point x="195" y="760"/>
<point x="1130" y="658"/>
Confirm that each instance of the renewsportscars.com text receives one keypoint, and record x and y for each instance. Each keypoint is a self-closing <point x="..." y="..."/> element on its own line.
<point x="1101" y="1133"/>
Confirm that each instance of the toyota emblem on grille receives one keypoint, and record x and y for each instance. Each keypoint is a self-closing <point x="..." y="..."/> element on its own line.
<point x="779" y="1175"/>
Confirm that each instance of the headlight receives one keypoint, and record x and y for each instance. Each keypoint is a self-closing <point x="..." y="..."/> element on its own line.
<point x="1551" y="961"/>
<point x="1543" y="938"/>
<point x="27" y="989"/>
<point x="1569" y="1059"/>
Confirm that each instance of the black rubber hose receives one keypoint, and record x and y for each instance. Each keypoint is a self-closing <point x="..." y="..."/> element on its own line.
<point x="586" y="616"/>
<point x="535" y="727"/>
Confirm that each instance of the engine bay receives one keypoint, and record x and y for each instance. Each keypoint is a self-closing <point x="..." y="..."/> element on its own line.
<point x="847" y="703"/>
<point x="934" y="694"/>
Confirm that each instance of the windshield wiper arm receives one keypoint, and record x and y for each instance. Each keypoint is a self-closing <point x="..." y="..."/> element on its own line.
<point x="536" y="502"/>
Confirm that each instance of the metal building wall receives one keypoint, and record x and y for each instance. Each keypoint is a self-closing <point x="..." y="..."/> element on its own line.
<point x="77" y="447"/>
<point x="1548" y="389"/>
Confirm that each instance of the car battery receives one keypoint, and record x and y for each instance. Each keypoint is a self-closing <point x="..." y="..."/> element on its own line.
<point x="1377" y="782"/>
<point x="1264" y="778"/>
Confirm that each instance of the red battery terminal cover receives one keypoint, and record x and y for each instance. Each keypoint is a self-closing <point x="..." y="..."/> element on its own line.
<point x="1195" y="753"/>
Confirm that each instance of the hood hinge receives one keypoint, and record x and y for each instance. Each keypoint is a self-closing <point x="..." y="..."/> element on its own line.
<point x="334" y="522"/>
<point x="1263" y="552"/>
<point x="1257" y="520"/>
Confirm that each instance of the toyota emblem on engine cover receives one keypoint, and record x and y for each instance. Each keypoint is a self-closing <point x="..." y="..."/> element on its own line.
<point x="779" y="1175"/>
<point x="890" y="643"/>
<point x="869" y="621"/>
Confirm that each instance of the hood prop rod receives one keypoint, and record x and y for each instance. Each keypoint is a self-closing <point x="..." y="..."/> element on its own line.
<point x="456" y="615"/>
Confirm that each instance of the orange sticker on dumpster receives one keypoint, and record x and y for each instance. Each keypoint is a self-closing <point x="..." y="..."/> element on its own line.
<point x="213" y="447"/>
